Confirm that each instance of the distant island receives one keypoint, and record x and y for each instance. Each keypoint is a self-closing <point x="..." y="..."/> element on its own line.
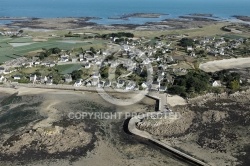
<point x="201" y="15"/>
<point x="139" y="15"/>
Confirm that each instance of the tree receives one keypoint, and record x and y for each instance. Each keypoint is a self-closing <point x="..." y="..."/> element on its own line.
<point x="104" y="71"/>
<point x="184" y="42"/>
<point x="55" y="50"/>
<point x="92" y="50"/>
<point x="48" y="53"/>
<point x="144" y="73"/>
<point x="55" y="76"/>
<point x="37" y="73"/>
<point x="77" y="74"/>
<point x="178" y="90"/>
<point x="41" y="56"/>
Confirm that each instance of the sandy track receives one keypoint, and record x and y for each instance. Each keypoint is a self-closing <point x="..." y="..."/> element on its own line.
<point x="218" y="65"/>
<point x="50" y="112"/>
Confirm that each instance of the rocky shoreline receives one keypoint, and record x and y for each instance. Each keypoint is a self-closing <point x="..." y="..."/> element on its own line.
<point x="242" y="18"/>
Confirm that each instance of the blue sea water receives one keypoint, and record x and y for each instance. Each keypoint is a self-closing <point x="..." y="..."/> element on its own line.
<point x="110" y="8"/>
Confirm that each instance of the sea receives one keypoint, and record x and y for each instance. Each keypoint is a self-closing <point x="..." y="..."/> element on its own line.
<point x="104" y="9"/>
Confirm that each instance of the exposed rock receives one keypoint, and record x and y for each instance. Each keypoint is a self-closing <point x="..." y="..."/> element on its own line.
<point x="51" y="139"/>
<point x="213" y="116"/>
<point x="168" y="127"/>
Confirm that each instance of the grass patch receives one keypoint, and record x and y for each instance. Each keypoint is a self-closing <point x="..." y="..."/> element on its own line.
<point x="69" y="68"/>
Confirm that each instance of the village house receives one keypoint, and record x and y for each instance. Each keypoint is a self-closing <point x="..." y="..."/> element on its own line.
<point x="2" y="78"/>
<point x="49" y="81"/>
<point x="155" y="86"/>
<point x="101" y="84"/>
<point x="2" y="70"/>
<point x="78" y="83"/>
<point x="52" y="64"/>
<point x="64" y="58"/>
<point x="43" y="79"/>
<point x="130" y="85"/>
<point x="120" y="83"/>
<point x="144" y="85"/>
<point x="163" y="88"/>
<point x="37" y="63"/>
<point x="160" y="78"/>
<point x="16" y="77"/>
<point x="216" y="83"/>
<point x="89" y="57"/>
<point x="192" y="54"/>
<point x="107" y="83"/>
<point x="33" y="78"/>
<point x="74" y="60"/>
<point x="68" y="78"/>
<point x="95" y="81"/>
<point x="146" y="61"/>
<point x="87" y="65"/>
<point x="126" y="48"/>
<point x="81" y="57"/>
<point x="28" y="64"/>
<point x="189" y="48"/>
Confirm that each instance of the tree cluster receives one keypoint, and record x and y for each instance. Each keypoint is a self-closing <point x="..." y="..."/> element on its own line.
<point x="184" y="42"/>
<point x="193" y="82"/>
<point x="48" y="52"/>
<point x="119" y="35"/>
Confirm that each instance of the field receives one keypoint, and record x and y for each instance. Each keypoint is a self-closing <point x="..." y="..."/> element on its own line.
<point x="8" y="52"/>
<point x="68" y="68"/>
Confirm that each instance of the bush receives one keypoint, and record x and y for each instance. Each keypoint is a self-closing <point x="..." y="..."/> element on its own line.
<point x="234" y="85"/>
<point x="23" y="80"/>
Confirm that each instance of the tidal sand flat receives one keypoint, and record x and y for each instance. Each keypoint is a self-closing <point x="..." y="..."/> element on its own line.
<point x="34" y="136"/>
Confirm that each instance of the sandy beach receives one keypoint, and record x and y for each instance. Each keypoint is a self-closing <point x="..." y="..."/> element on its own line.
<point x="236" y="63"/>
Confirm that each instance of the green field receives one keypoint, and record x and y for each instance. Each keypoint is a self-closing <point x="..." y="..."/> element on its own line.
<point x="68" y="68"/>
<point x="8" y="52"/>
